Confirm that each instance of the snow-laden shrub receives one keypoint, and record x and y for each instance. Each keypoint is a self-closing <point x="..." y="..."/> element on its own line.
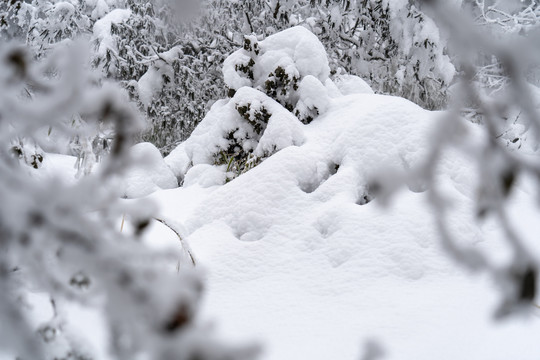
<point x="274" y="85"/>
<point x="237" y="134"/>
<point x="278" y="66"/>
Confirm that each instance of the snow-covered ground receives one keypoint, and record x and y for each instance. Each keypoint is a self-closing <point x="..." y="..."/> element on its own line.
<point x="299" y="254"/>
<point x="299" y="258"/>
<point x="295" y="262"/>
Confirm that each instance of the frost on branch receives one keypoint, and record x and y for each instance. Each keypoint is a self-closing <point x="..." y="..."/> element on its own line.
<point x="62" y="241"/>
<point x="500" y="166"/>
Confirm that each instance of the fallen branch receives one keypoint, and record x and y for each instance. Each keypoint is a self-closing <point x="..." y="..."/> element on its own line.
<point x="185" y="246"/>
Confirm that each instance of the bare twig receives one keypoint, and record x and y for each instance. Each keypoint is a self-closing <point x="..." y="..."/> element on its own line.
<point x="185" y="246"/>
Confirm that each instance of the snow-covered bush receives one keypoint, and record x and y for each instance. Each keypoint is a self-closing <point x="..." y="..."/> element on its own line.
<point x="280" y="66"/>
<point x="237" y="134"/>
<point x="274" y="85"/>
<point x="60" y="243"/>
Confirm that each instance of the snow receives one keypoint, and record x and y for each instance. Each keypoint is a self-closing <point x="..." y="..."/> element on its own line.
<point x="151" y="83"/>
<point x="148" y="85"/>
<point x="150" y="173"/>
<point x="230" y="76"/>
<point x="205" y="175"/>
<point x="298" y="261"/>
<point x="62" y="168"/>
<point x="101" y="9"/>
<point x="351" y="84"/>
<point x="303" y="47"/>
<point x="63" y="9"/>
<point x="313" y="95"/>
<point x="102" y="29"/>
<point x="297" y="172"/>
<point x="178" y="161"/>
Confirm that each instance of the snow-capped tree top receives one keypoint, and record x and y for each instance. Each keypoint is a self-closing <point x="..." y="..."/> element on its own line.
<point x="297" y="50"/>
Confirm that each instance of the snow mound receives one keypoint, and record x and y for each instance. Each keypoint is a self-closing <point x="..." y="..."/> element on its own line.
<point x="351" y="84"/>
<point x="149" y="172"/>
<point x="205" y="176"/>
<point x="300" y="248"/>
<point x="324" y="184"/>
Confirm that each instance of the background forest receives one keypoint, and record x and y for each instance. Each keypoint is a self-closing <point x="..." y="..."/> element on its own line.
<point x="168" y="55"/>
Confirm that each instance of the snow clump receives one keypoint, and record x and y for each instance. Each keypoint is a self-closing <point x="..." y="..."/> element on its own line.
<point x="102" y="31"/>
<point x="149" y="172"/>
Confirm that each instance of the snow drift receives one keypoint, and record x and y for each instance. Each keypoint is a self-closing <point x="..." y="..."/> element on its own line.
<point x="302" y="254"/>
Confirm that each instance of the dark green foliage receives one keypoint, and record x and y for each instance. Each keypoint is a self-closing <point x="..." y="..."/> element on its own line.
<point x="17" y="152"/>
<point x="258" y="118"/>
<point x="280" y="86"/>
<point x="246" y="68"/>
<point x="305" y="119"/>
<point x="237" y="160"/>
<point x="251" y="45"/>
<point x="36" y="160"/>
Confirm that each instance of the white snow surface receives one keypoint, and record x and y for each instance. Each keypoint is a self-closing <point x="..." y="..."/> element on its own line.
<point x="297" y="256"/>
<point x="149" y="172"/>
<point x="296" y="263"/>
<point x="351" y="84"/>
